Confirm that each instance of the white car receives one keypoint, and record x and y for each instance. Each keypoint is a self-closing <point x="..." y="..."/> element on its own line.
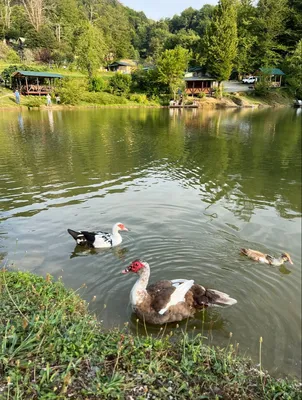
<point x="250" y="79"/>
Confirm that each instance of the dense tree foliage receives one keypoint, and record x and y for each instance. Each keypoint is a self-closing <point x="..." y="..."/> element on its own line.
<point x="221" y="40"/>
<point x="240" y="35"/>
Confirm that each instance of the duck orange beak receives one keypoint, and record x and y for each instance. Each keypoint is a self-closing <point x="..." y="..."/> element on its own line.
<point x="290" y="260"/>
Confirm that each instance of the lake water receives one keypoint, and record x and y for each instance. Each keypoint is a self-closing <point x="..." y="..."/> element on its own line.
<point x="194" y="186"/>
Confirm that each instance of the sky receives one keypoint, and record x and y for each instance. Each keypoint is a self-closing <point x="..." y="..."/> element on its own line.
<point x="156" y="9"/>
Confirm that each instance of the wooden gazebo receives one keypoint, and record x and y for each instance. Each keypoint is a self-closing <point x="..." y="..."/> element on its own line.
<point x="34" y="82"/>
<point x="274" y="75"/>
<point x="197" y="81"/>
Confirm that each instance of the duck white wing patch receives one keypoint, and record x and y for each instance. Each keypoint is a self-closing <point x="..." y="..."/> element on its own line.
<point x="178" y="295"/>
<point x="177" y="282"/>
<point x="102" y="239"/>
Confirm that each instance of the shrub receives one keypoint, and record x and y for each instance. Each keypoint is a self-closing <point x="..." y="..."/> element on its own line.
<point x="12" y="57"/>
<point x="33" y="101"/>
<point x="201" y="95"/>
<point x="8" y="54"/>
<point x="7" y="73"/>
<point x="97" y="84"/>
<point x="262" y="87"/>
<point x="147" y="82"/>
<point x="71" y="91"/>
<point x="139" y="98"/>
<point x="28" y="55"/>
<point x="103" y="98"/>
<point x="120" y="84"/>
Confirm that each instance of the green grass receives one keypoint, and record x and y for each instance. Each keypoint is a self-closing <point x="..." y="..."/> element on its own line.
<point x="72" y="73"/>
<point x="52" y="348"/>
<point x="7" y="100"/>
<point x="276" y="97"/>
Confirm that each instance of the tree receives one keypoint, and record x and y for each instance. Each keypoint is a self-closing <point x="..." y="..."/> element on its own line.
<point x="35" y="11"/>
<point x="221" y="40"/>
<point x="7" y="13"/>
<point x="157" y="36"/>
<point x="203" y="19"/>
<point x="271" y="17"/>
<point x="294" y="62"/>
<point x="186" y="20"/>
<point x="171" y="66"/>
<point x="112" y="20"/>
<point x="247" y="38"/>
<point x="293" y="29"/>
<point x="90" y="49"/>
<point x="188" y="39"/>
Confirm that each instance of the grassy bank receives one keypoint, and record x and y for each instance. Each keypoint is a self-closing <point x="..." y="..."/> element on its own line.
<point x="52" y="348"/>
<point x="103" y="99"/>
<point x="88" y="99"/>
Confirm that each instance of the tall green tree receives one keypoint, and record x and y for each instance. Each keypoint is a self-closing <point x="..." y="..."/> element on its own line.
<point x="221" y="40"/>
<point x="293" y="25"/>
<point x="158" y="35"/>
<point x="171" y="67"/>
<point x="271" y="18"/>
<point x="246" y="18"/>
<point x="90" y="49"/>
<point x="186" y="20"/>
<point x="294" y="78"/>
<point x="203" y="19"/>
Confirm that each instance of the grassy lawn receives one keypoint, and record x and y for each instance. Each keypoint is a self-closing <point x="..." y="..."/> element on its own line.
<point x="7" y="98"/>
<point x="52" y="348"/>
<point x="73" y="73"/>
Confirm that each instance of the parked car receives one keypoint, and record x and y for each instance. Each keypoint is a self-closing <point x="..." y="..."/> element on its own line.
<point x="250" y="79"/>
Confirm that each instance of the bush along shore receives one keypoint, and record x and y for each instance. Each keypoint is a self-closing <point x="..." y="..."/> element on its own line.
<point x="53" y="348"/>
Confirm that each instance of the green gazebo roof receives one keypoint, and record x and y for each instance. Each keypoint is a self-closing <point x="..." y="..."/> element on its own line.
<point x="37" y="74"/>
<point x="272" y="71"/>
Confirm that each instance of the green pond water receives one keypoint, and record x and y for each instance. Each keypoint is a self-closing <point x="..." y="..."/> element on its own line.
<point x="194" y="186"/>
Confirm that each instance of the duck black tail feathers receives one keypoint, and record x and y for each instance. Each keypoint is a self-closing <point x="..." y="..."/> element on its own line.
<point x="74" y="234"/>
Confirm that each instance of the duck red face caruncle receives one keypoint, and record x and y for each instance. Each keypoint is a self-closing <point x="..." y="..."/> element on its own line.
<point x="135" y="266"/>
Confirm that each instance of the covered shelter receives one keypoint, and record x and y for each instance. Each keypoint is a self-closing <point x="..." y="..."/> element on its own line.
<point x="34" y="82"/>
<point x="274" y="75"/>
<point x="197" y="81"/>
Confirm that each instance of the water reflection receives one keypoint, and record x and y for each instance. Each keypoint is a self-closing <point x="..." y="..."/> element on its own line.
<point x="204" y="322"/>
<point x="226" y="168"/>
<point x="51" y="120"/>
<point x="284" y="270"/>
<point x="21" y="122"/>
<point x="81" y="251"/>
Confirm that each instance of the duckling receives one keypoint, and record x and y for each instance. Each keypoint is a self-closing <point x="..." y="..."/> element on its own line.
<point x="266" y="258"/>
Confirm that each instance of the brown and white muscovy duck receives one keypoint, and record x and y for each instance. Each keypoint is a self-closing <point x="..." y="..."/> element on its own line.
<point x="170" y="301"/>
<point x="99" y="239"/>
<point x="266" y="258"/>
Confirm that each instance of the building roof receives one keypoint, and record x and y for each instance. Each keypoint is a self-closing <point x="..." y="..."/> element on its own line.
<point x="121" y="63"/>
<point x="37" y="74"/>
<point x="272" y="71"/>
<point x="196" y="69"/>
<point x="199" y="78"/>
